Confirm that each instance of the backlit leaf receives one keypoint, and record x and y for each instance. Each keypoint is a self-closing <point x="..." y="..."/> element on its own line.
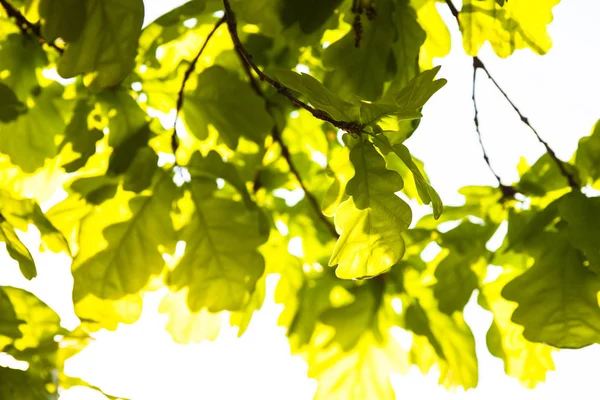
<point x="557" y="297"/>
<point x="221" y="264"/>
<point x="371" y="221"/>
<point x="515" y="25"/>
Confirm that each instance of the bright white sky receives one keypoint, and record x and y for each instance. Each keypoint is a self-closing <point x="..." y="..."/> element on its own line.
<point x="559" y="94"/>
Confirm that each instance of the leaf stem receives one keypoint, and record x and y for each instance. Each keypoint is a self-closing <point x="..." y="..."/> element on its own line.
<point x="26" y="26"/>
<point x="285" y="151"/>
<point x="478" y="64"/>
<point x="348" y="126"/>
<point x="186" y="76"/>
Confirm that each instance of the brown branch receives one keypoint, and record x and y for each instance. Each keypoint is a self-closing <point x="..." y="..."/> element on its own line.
<point x="186" y="76"/>
<point x="348" y="126"/>
<point x="27" y="27"/>
<point x="477" y="63"/>
<point x="285" y="152"/>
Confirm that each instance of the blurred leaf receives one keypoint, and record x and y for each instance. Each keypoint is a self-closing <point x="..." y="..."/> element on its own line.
<point x="63" y="19"/>
<point x="221" y="264"/>
<point x="229" y="104"/>
<point x="106" y="47"/>
<point x="508" y="27"/>
<point x="10" y="106"/>
<point x="583" y="231"/>
<point x="587" y="157"/>
<point x="186" y="327"/>
<point x="132" y="254"/>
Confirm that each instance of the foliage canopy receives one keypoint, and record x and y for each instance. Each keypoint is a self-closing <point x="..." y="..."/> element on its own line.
<point x="174" y="146"/>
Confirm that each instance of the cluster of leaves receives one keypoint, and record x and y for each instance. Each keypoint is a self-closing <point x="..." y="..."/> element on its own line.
<point x="86" y="105"/>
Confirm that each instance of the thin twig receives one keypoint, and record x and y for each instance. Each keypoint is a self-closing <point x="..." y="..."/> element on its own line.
<point x="348" y="126"/>
<point x="507" y="191"/>
<point x="186" y="76"/>
<point x="25" y="26"/>
<point x="477" y="63"/>
<point x="476" y="120"/>
<point x="559" y="163"/>
<point x="285" y="151"/>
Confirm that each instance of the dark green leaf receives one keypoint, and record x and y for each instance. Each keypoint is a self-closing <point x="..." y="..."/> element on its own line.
<point x="229" y="104"/>
<point x="10" y="106"/>
<point x="107" y="46"/>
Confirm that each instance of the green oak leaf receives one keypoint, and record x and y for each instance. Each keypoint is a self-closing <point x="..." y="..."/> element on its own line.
<point x="9" y="323"/>
<point x="362" y="71"/>
<point x="544" y="176"/>
<point x="125" y="117"/>
<point x="587" y="158"/>
<point x="20" y="213"/>
<point x="229" y="104"/>
<point x="30" y="139"/>
<point x="132" y="254"/>
<point x="16" y="249"/>
<point x="417" y="321"/>
<point x="319" y="95"/>
<point x="310" y="15"/>
<point x="407" y="46"/>
<point x="360" y="374"/>
<point x="41" y="323"/>
<point x="212" y="167"/>
<point x="582" y="215"/>
<point x="63" y="19"/>
<point x="405" y="103"/>
<point x="10" y="106"/>
<point x="106" y="47"/>
<point x="507" y="25"/>
<point x="426" y="192"/>
<point x="557" y="297"/>
<point x="17" y="384"/>
<point x="371" y="222"/>
<point x="527" y="361"/>
<point x="186" y="327"/>
<point x="221" y="264"/>
<point x="81" y="136"/>
<point x="20" y="57"/>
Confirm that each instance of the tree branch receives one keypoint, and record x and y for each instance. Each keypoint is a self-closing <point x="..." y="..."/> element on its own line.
<point x="348" y="126"/>
<point x="476" y="120"/>
<point x="285" y="152"/>
<point x="508" y="192"/>
<point x="25" y="26"/>
<point x="477" y="63"/>
<point x="186" y="76"/>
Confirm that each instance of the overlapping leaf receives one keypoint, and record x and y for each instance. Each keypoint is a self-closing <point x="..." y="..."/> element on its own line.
<point x="133" y="251"/>
<point x="230" y="105"/>
<point x="221" y="264"/>
<point x="106" y="47"/>
<point x="371" y="222"/>
<point x="557" y="298"/>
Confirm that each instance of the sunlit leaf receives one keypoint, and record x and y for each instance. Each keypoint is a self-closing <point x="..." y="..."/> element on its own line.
<point x="371" y="221"/>
<point x="132" y="254"/>
<point x="187" y="327"/>
<point x="557" y="298"/>
<point x="221" y="264"/>
<point x="515" y="25"/>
